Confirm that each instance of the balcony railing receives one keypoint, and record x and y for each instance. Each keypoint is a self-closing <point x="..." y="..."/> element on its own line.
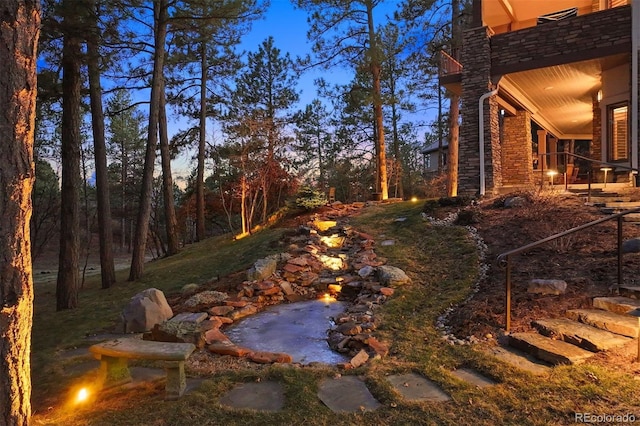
<point x="448" y="65"/>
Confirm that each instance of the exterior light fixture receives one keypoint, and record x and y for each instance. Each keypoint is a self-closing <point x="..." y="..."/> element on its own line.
<point x="599" y="95"/>
<point x="636" y="313"/>
<point x="605" y="170"/>
<point x="551" y="174"/>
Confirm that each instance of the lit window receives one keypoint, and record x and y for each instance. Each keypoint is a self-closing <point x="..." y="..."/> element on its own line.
<point x="427" y="161"/>
<point x="618" y="131"/>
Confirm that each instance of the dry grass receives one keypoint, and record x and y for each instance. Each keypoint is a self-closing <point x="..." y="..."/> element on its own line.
<point x="442" y="263"/>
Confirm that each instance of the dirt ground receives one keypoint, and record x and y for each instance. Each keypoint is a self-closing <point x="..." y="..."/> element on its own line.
<point x="586" y="260"/>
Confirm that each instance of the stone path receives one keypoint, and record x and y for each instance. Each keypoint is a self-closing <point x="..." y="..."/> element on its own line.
<point x="349" y="394"/>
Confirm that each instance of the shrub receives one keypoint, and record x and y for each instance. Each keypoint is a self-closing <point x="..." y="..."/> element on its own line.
<point x="309" y="198"/>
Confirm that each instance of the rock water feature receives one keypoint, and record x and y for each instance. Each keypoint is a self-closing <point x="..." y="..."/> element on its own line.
<point x="324" y="261"/>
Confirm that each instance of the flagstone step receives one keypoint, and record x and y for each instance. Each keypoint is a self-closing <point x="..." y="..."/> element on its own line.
<point x="623" y="205"/>
<point x="605" y="320"/>
<point x="549" y="350"/>
<point x="631" y="217"/>
<point x="617" y="304"/>
<point x="608" y="198"/>
<point x="630" y="291"/>
<point x="519" y="359"/>
<point x="579" y="334"/>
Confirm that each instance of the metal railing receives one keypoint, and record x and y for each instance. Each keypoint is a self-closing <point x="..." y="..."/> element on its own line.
<point x="565" y="155"/>
<point x="504" y="259"/>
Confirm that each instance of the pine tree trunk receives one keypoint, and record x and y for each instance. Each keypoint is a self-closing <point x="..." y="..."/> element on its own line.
<point x="67" y="284"/>
<point x="454" y="128"/>
<point x="160" y="13"/>
<point x="167" y="181"/>
<point x="381" y="160"/>
<point x="107" y="268"/>
<point x="200" y="228"/>
<point x="454" y="107"/>
<point x="20" y="31"/>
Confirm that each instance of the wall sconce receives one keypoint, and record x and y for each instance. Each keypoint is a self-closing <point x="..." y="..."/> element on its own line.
<point x="599" y="95"/>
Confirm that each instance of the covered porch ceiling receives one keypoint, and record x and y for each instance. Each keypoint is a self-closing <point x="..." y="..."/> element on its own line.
<point x="509" y="15"/>
<point x="560" y="98"/>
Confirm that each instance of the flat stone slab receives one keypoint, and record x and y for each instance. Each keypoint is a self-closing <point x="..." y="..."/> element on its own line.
<point x="630" y="291"/>
<point x="623" y="204"/>
<point x="473" y="377"/>
<point x="605" y="320"/>
<point x="347" y="394"/>
<point x="416" y="388"/>
<point x="519" y="360"/>
<point x="549" y="350"/>
<point x="579" y="334"/>
<point x="617" y="304"/>
<point x="260" y="396"/>
<point x="136" y="348"/>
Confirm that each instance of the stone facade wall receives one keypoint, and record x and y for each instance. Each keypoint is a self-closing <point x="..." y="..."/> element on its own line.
<point x="594" y="35"/>
<point x="517" y="157"/>
<point x="595" y="151"/>
<point x="476" y="81"/>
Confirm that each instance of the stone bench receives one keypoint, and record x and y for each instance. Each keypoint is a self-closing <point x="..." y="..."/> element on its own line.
<point x="114" y="356"/>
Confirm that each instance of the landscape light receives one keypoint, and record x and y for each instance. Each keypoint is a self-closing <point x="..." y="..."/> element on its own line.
<point x="551" y="174"/>
<point x="82" y="395"/>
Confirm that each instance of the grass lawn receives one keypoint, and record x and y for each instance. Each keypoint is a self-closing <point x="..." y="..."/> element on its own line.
<point x="443" y="265"/>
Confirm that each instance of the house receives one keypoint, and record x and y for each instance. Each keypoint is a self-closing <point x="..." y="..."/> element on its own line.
<point x="431" y="156"/>
<point x="540" y="77"/>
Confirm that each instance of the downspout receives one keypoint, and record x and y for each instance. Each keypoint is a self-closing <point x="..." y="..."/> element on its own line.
<point x="481" y="131"/>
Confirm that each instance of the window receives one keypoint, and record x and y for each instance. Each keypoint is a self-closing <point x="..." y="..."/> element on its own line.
<point x="618" y="131"/>
<point x="427" y="161"/>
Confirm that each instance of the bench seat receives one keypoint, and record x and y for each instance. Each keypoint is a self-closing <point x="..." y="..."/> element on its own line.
<point x="114" y="356"/>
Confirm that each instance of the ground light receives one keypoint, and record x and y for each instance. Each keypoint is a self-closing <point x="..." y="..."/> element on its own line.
<point x="636" y="313"/>
<point x="414" y="199"/>
<point x="82" y="395"/>
<point x="551" y="174"/>
<point x="605" y="170"/>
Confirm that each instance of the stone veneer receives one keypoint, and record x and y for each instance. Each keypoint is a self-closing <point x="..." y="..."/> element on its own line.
<point x="476" y="81"/>
<point x="595" y="150"/>
<point x="517" y="157"/>
<point x="584" y="37"/>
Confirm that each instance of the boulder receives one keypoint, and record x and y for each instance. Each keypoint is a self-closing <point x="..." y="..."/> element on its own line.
<point x="514" y="202"/>
<point x="262" y="269"/>
<point x="392" y="276"/>
<point x="539" y="286"/>
<point x="631" y="246"/>
<point x="206" y="298"/>
<point x="365" y="271"/>
<point x="145" y="310"/>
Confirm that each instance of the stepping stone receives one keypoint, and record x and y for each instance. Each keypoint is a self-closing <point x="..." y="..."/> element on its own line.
<point x="261" y="396"/>
<point x="579" y="334"/>
<point x="416" y="388"/>
<point x="631" y="217"/>
<point x="519" y="360"/>
<point x="549" y="350"/>
<point x="623" y="205"/>
<point x="630" y="291"/>
<point x="605" y="320"/>
<point x="347" y="394"/>
<point x="617" y="304"/>
<point x="473" y="377"/>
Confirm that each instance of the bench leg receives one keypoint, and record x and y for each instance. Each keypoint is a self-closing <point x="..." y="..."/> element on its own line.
<point x="176" y="380"/>
<point x="114" y="371"/>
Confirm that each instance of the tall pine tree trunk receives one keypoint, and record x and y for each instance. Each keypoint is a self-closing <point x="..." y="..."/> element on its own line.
<point x="20" y="31"/>
<point x="454" y="107"/>
<point x="67" y="283"/>
<point x="160" y="16"/>
<point x="381" y="156"/>
<point x="107" y="268"/>
<point x="167" y="181"/>
<point x="200" y="228"/>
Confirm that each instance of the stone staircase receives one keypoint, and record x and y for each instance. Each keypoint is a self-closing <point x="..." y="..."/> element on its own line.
<point x="583" y="332"/>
